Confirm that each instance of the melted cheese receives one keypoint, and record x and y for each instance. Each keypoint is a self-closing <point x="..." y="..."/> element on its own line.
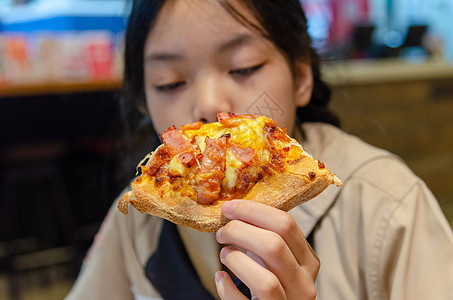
<point x="249" y="133"/>
<point x="231" y="165"/>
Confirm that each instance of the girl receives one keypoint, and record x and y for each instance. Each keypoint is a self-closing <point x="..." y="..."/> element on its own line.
<point x="381" y="236"/>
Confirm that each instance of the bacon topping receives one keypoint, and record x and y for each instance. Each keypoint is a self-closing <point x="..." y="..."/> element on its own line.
<point x="224" y="116"/>
<point x="228" y="120"/>
<point x="232" y="120"/>
<point x="175" y="141"/>
<point x="273" y="133"/>
<point x="160" y="178"/>
<point x="212" y="170"/>
<point x="187" y="158"/>
<point x="277" y="162"/>
<point x="179" y="146"/>
<point x="192" y="126"/>
<point x="157" y="160"/>
<point x="246" y="180"/>
<point x="245" y="155"/>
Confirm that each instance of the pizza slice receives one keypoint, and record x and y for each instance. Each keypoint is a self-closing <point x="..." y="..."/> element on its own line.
<point x="200" y="166"/>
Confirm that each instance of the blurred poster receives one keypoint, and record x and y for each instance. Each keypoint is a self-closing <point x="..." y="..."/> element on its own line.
<point x="319" y="19"/>
<point x="345" y="15"/>
<point x="331" y="22"/>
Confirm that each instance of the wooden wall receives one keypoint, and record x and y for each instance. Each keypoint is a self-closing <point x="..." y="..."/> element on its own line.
<point x="413" y="119"/>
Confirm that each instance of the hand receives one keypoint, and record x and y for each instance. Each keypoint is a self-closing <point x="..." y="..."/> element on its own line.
<point x="290" y="265"/>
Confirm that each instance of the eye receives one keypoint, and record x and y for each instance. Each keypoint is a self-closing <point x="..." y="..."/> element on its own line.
<point x="246" y="71"/>
<point x="169" y="87"/>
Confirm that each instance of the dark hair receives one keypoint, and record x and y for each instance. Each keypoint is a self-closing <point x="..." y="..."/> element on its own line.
<point x="141" y="19"/>
<point x="284" y="24"/>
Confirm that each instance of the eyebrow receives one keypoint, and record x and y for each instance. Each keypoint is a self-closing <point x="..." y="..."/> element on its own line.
<point x="163" y="56"/>
<point x="235" y="42"/>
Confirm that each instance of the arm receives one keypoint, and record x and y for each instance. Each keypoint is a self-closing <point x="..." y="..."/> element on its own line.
<point x="290" y="265"/>
<point x="103" y="274"/>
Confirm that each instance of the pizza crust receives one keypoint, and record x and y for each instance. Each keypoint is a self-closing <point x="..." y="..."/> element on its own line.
<point x="299" y="183"/>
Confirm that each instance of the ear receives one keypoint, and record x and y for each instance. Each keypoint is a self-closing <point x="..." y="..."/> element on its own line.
<point x="303" y="83"/>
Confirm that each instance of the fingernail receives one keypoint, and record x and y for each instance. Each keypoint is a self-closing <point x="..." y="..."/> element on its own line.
<point x="218" y="234"/>
<point x="228" y="207"/>
<point x="218" y="277"/>
<point x="224" y="252"/>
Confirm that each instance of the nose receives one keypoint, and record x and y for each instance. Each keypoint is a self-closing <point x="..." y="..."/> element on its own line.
<point x="211" y="97"/>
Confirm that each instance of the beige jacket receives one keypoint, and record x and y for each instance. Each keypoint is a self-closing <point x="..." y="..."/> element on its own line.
<point x="381" y="235"/>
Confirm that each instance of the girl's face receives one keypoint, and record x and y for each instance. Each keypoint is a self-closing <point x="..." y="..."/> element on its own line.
<point x="199" y="61"/>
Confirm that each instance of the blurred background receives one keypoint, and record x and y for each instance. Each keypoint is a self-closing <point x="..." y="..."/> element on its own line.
<point x="63" y="146"/>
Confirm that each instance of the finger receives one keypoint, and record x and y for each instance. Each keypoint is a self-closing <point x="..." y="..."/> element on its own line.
<point x="267" y="245"/>
<point x="313" y="253"/>
<point x="226" y="288"/>
<point x="263" y="283"/>
<point x="275" y="220"/>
